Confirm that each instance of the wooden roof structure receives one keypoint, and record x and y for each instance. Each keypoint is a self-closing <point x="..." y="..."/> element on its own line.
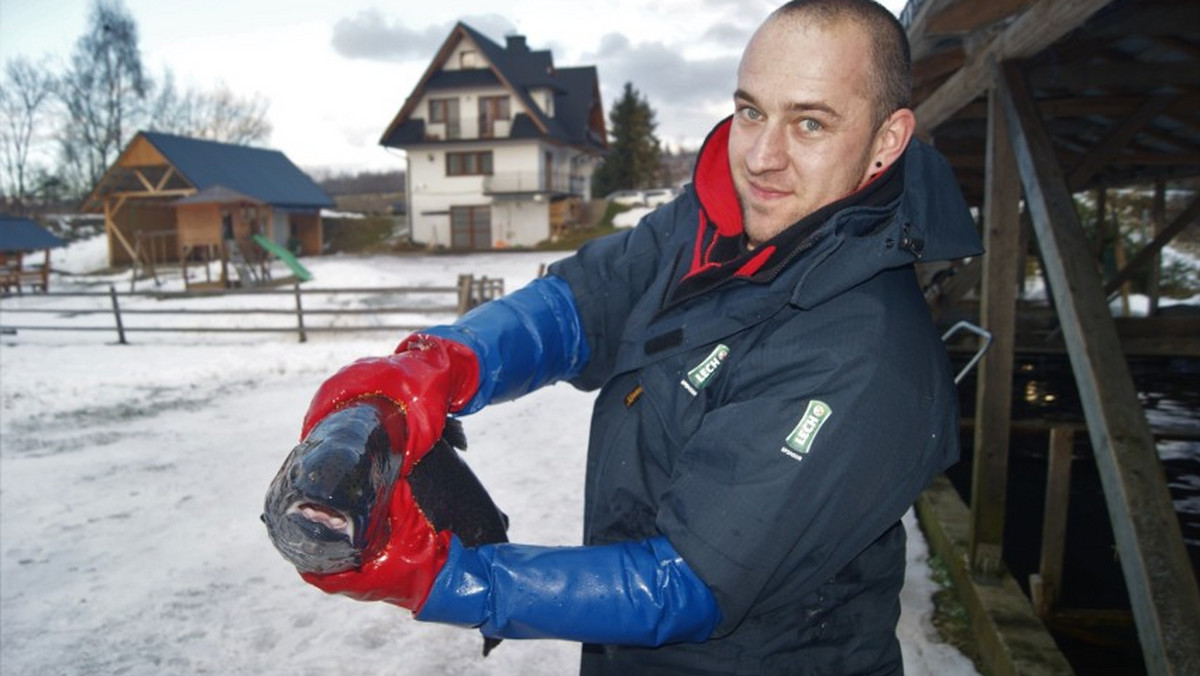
<point x="1116" y="81"/>
<point x="1033" y="101"/>
<point x="169" y="166"/>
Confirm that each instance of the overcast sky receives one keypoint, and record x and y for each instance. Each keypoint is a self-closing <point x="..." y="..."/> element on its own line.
<point x="336" y="72"/>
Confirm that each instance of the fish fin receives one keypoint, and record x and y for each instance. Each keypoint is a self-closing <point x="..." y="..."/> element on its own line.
<point x="454" y="435"/>
<point x="490" y="644"/>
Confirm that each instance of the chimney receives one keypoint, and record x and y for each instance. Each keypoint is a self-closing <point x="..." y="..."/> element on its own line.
<point x="516" y="44"/>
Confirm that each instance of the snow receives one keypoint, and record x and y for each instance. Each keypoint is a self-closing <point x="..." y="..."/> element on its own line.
<point x="132" y="478"/>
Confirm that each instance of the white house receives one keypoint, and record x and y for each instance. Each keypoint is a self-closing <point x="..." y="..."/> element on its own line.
<point x="500" y="143"/>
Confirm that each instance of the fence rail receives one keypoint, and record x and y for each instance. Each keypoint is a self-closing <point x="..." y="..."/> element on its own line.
<point x="374" y="301"/>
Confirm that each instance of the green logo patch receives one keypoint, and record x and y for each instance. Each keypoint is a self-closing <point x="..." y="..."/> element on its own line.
<point x="698" y="377"/>
<point x="800" y="441"/>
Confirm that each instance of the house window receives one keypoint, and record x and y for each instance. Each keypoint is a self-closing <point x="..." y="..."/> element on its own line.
<point x="467" y="59"/>
<point x="445" y="111"/>
<point x="469" y="164"/>
<point x="491" y="110"/>
<point x="471" y="227"/>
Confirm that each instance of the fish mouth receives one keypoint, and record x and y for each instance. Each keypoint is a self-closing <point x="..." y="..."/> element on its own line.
<point x="323" y="515"/>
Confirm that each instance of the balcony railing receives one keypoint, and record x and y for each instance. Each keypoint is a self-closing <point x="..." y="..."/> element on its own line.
<point x="532" y="182"/>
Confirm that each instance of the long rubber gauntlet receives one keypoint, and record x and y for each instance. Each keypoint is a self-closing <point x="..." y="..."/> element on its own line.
<point x="631" y="593"/>
<point x="527" y="339"/>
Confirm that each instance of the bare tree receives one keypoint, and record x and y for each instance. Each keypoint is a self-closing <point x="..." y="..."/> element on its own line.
<point x="218" y="115"/>
<point x="25" y="100"/>
<point x="103" y="90"/>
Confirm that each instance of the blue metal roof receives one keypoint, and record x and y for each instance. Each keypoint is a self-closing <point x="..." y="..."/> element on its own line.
<point x="266" y="175"/>
<point x="22" y="234"/>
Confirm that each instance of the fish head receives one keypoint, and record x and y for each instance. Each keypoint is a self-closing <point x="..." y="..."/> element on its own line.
<point x="326" y="507"/>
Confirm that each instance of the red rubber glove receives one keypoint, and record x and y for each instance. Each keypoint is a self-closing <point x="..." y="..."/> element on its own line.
<point x="427" y="377"/>
<point x="404" y="571"/>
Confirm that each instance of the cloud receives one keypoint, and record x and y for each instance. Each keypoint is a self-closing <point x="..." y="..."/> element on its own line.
<point x="683" y="91"/>
<point x="375" y="36"/>
<point x="688" y="84"/>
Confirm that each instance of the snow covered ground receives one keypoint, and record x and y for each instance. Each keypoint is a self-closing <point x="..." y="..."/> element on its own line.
<point x="132" y="478"/>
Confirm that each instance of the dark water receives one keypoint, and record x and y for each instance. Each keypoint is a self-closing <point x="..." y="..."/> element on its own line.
<point x="1044" y="389"/>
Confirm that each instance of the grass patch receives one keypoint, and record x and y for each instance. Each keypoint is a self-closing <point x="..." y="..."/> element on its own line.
<point x="950" y="616"/>
<point x="357" y="234"/>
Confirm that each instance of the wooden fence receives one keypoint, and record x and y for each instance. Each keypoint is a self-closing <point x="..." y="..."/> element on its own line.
<point x="373" y="302"/>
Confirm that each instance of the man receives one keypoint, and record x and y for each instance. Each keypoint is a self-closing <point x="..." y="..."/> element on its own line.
<point x="773" y="394"/>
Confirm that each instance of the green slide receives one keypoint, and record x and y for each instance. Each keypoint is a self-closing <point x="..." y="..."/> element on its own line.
<point x="286" y="256"/>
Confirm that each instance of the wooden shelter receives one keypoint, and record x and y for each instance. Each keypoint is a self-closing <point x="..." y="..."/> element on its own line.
<point x="176" y="199"/>
<point x="18" y="238"/>
<point x="1034" y="102"/>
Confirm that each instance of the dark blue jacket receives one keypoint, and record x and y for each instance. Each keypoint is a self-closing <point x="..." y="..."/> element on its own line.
<point x="773" y="412"/>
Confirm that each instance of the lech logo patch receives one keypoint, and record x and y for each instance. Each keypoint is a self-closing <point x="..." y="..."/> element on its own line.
<point x="699" y="376"/>
<point x="800" y="441"/>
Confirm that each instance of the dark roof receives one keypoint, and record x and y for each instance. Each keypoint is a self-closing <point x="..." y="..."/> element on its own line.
<point x="22" y="234"/>
<point x="576" y="91"/>
<point x="265" y="175"/>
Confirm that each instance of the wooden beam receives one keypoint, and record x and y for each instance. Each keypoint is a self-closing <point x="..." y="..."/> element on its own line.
<point x="1158" y="223"/>
<point x="1036" y="28"/>
<point x="998" y="314"/>
<point x="970" y="15"/>
<point x="1086" y="106"/>
<point x="1087" y="76"/>
<point x="143" y="180"/>
<point x="162" y="182"/>
<point x="1188" y="216"/>
<point x="938" y="65"/>
<point x="1162" y="587"/>
<point x="110" y="222"/>
<point x="1045" y="586"/>
<point x="174" y="192"/>
<point x="1115" y="142"/>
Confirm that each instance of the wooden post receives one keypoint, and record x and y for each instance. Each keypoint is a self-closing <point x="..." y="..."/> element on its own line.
<point x="112" y="293"/>
<point x="1158" y="574"/>
<point x="1045" y="586"/>
<point x="465" y="284"/>
<point x="1189" y="215"/>
<point x="1158" y="223"/>
<point x="46" y="272"/>
<point x="299" y="313"/>
<point x="1101" y="222"/>
<point x="993" y="407"/>
<point x="1118" y="244"/>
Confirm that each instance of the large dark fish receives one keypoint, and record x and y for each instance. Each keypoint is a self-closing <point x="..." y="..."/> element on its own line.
<point x="326" y="509"/>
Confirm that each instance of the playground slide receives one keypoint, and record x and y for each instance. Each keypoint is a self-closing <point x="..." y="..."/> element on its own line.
<point x="286" y="256"/>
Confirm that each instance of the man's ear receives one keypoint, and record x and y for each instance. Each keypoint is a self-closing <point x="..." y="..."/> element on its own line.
<point x="891" y="140"/>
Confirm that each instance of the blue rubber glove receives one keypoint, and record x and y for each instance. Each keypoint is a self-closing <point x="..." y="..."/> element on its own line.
<point x="631" y="593"/>
<point x="527" y="339"/>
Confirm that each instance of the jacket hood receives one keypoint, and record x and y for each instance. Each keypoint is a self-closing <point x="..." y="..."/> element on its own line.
<point x="913" y="212"/>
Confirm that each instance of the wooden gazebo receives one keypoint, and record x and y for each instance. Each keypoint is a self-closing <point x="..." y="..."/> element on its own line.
<point x="171" y="198"/>
<point x="20" y="237"/>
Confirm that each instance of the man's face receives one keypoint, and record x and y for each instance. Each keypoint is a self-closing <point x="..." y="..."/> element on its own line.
<point x="802" y="133"/>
